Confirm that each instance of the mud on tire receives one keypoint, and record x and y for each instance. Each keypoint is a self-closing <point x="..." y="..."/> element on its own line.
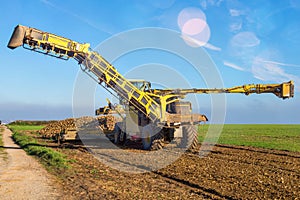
<point x="157" y="141"/>
<point x="152" y="138"/>
<point x="190" y="137"/>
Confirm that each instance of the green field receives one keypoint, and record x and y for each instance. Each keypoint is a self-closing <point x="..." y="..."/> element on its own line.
<point x="271" y="136"/>
<point x="26" y="127"/>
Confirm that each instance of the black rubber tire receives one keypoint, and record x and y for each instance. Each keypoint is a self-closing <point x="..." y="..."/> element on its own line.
<point x="119" y="136"/>
<point x="147" y="138"/>
<point x="157" y="142"/>
<point x="190" y="137"/>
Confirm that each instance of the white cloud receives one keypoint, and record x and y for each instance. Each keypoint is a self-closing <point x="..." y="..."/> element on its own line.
<point x="215" y="2"/>
<point x="271" y="71"/>
<point x="245" y="39"/>
<point x="236" y="13"/>
<point x="162" y="4"/>
<point x="212" y="47"/>
<point x="47" y="2"/>
<point x="234" y="66"/>
<point x="74" y="14"/>
<point x="279" y="63"/>
<point x="205" y="3"/>
<point x="234" y="27"/>
<point x="197" y="43"/>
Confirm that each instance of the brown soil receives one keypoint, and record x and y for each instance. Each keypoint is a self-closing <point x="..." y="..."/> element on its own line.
<point x="228" y="172"/>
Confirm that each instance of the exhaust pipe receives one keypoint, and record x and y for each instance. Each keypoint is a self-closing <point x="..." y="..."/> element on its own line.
<point x="17" y="37"/>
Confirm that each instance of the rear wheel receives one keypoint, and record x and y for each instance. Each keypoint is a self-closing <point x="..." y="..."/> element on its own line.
<point x="147" y="137"/>
<point x="151" y="141"/>
<point x="157" y="141"/>
<point x="190" y="137"/>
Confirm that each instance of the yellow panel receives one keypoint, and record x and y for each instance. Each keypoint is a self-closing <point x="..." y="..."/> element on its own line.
<point x="285" y="90"/>
<point x="58" y="41"/>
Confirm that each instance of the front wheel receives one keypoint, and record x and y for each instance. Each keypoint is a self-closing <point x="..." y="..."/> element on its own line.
<point x="147" y="137"/>
<point x="152" y="138"/>
<point x="119" y="135"/>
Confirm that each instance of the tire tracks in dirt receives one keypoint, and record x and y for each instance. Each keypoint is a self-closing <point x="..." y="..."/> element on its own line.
<point x="268" y="159"/>
<point x="227" y="172"/>
<point x="208" y="193"/>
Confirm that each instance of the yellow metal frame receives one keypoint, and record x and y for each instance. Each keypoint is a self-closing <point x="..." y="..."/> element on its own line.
<point x="51" y="43"/>
<point x="113" y="79"/>
<point x="152" y="103"/>
<point x="283" y="90"/>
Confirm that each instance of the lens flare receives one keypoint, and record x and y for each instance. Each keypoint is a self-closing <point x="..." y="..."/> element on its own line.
<point x="189" y="13"/>
<point x="194" y="28"/>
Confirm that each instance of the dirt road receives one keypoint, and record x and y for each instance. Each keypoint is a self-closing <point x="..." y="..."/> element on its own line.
<point x="21" y="176"/>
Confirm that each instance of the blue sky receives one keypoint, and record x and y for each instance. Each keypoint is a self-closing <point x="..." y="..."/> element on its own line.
<point x="249" y="42"/>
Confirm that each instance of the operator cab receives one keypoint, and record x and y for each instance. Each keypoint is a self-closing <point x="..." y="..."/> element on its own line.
<point x="140" y="84"/>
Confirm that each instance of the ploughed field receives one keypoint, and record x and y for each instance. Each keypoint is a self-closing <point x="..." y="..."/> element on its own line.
<point x="228" y="171"/>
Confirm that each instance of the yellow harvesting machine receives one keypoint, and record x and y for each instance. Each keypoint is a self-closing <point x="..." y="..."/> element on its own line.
<point x="154" y="115"/>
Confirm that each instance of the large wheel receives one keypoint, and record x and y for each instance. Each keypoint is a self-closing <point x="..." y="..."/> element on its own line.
<point x="152" y="138"/>
<point x="157" y="141"/>
<point x="190" y="137"/>
<point x="147" y="137"/>
<point x="119" y="135"/>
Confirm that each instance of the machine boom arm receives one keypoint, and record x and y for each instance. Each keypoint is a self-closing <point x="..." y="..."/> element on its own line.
<point x="151" y="103"/>
<point x="283" y="90"/>
<point x="94" y="64"/>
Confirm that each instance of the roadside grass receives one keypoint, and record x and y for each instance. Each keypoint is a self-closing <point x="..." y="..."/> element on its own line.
<point x="1" y="141"/>
<point x="271" y="136"/>
<point x="3" y="153"/>
<point x="47" y="156"/>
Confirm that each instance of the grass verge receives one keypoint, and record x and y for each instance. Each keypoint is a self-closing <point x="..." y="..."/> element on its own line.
<point x="1" y="141"/>
<point x="3" y="153"/>
<point x="271" y="136"/>
<point x="48" y="156"/>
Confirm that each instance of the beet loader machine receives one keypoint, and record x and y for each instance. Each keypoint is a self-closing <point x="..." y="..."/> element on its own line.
<point x="153" y="116"/>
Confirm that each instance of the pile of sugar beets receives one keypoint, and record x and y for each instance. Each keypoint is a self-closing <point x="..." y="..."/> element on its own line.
<point x="53" y="129"/>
